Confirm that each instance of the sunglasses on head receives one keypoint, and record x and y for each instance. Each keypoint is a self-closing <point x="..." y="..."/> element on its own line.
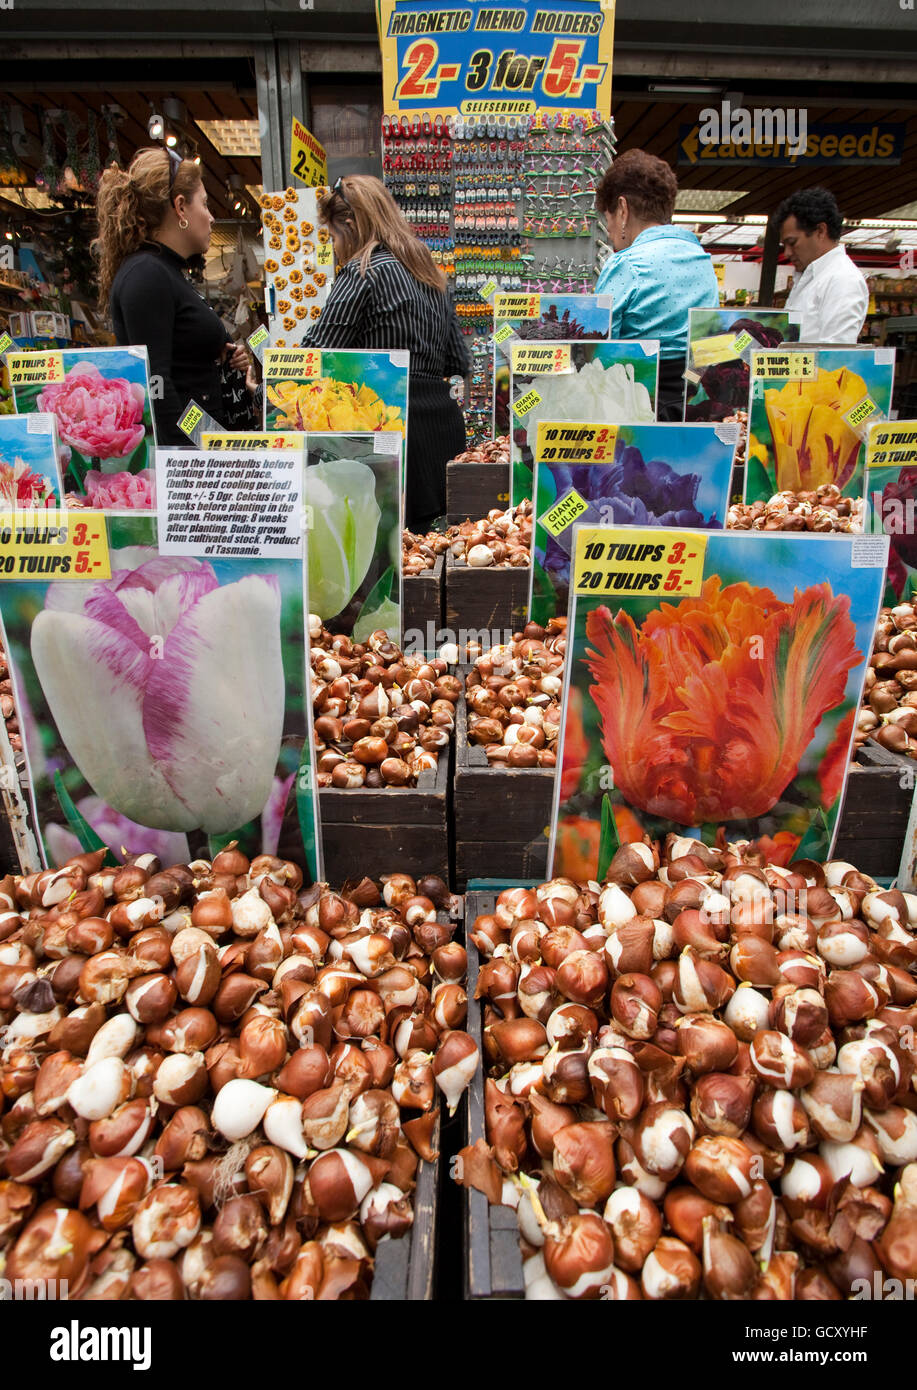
<point x="338" y="188"/>
<point x="175" y="163"/>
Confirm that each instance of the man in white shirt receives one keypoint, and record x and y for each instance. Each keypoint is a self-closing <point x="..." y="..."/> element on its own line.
<point x="830" y="296"/>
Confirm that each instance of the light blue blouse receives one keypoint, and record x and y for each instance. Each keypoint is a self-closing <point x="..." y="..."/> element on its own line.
<point x="654" y="282"/>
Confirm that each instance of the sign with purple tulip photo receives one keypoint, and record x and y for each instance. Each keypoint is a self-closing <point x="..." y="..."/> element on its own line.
<point x="713" y="681"/>
<point x="163" y="707"/>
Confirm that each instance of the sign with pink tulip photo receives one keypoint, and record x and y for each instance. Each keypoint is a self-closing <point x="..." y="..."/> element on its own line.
<point x="713" y="682"/>
<point x="162" y="709"/>
<point x="100" y="398"/>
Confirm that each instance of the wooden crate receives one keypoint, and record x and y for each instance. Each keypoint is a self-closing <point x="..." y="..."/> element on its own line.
<point x="381" y="830"/>
<point x="493" y="601"/>
<point x="422" y="607"/>
<point x="404" y="1269"/>
<point x="500" y="814"/>
<point x="493" y="1261"/>
<point x="474" y="489"/>
<point x="873" y="822"/>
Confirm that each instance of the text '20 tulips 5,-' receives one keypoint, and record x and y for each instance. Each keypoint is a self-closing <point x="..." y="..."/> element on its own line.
<point x="702" y="1077"/>
<point x="214" y="1083"/>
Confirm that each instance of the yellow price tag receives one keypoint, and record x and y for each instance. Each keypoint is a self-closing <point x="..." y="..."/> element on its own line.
<point x="709" y="352"/>
<point x="503" y="333"/>
<point x="487" y="290"/>
<point x="526" y="403"/>
<point x="630" y="561"/>
<point x="191" y="419"/>
<point x="784" y="366"/>
<point x="308" y="160"/>
<point x="35" y="368"/>
<point x="892" y="442"/>
<point x="301" y="364"/>
<point x="259" y="336"/>
<point x="861" y="412"/>
<point x="560" y="442"/>
<point x="56" y="545"/>
<point x="539" y="358"/>
<point x="238" y="439"/>
<point x="324" y="254"/>
<point x="517" y="306"/>
<point x="564" y="512"/>
<point x="742" y="341"/>
<point x="6" y="343"/>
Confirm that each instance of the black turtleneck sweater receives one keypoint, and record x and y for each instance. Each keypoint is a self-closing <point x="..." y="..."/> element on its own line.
<point x="154" y="303"/>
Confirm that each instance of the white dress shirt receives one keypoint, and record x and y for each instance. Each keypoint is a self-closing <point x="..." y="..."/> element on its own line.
<point x="830" y="298"/>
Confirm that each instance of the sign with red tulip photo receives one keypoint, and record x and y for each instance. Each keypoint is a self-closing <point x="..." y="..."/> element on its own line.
<point x="723" y="707"/>
<point x="891" y="490"/>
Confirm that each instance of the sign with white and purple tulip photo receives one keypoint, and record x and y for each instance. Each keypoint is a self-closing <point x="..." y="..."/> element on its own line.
<point x="163" y="708"/>
<point x="100" y="398"/>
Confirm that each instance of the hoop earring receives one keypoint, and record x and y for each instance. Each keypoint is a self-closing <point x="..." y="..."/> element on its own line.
<point x="184" y="223"/>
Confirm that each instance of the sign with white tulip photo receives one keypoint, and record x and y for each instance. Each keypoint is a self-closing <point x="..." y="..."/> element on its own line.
<point x="163" y="708"/>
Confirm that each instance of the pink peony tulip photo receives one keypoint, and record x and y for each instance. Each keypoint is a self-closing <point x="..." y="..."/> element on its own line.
<point x="99" y="416"/>
<point x="122" y="492"/>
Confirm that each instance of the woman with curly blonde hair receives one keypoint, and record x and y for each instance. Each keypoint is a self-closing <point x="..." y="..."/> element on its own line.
<point x="154" y="224"/>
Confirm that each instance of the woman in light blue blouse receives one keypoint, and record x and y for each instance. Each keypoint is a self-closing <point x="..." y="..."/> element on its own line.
<point x="657" y="271"/>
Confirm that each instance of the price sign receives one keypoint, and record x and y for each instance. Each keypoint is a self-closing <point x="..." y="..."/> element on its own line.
<point x="893" y="443"/>
<point x="238" y="439"/>
<point x="559" y="442"/>
<point x="308" y="161"/>
<point x="300" y="364"/>
<point x="53" y="544"/>
<point x="517" y="306"/>
<point x="324" y="255"/>
<point x="539" y="358"/>
<point x="564" y="513"/>
<point x="636" y="561"/>
<point x="27" y="368"/>
<point x="784" y="366"/>
<point x="710" y="352"/>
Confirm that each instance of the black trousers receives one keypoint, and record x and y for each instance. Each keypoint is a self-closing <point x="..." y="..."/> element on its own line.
<point x="670" y="405"/>
<point x="436" y="433"/>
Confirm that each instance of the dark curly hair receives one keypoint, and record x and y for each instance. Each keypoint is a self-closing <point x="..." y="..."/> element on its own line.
<point x="646" y="182"/>
<point x="810" y="206"/>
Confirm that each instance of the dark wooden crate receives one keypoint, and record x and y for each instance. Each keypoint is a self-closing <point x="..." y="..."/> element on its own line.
<point x="493" y="601"/>
<point x="422" y="606"/>
<point x="474" y="489"/>
<point x="501" y="814"/>
<point x="383" y="830"/>
<point x="873" y="820"/>
<point x="404" y="1269"/>
<point x="493" y="1260"/>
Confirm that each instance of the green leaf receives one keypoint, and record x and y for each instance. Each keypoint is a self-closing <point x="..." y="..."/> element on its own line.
<point x="78" y="468"/>
<point x="814" y="843"/>
<point x="609" y="844"/>
<point x="137" y="461"/>
<point x="81" y="828"/>
<point x="544" y="595"/>
<point x="381" y="590"/>
<point x="306" y="811"/>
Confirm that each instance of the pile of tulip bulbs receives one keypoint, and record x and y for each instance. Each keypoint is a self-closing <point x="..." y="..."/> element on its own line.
<point x="215" y="1084"/>
<point x="701" y="1078"/>
<point x="889" y="710"/>
<point x="513" y="692"/>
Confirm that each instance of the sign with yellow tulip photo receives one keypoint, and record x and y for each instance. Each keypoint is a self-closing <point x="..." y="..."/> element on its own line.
<point x="807" y="418"/>
<point x="162" y="706"/>
<point x="711" y="698"/>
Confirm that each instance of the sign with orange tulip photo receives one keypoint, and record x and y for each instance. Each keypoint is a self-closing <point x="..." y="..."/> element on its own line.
<point x="722" y="705"/>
